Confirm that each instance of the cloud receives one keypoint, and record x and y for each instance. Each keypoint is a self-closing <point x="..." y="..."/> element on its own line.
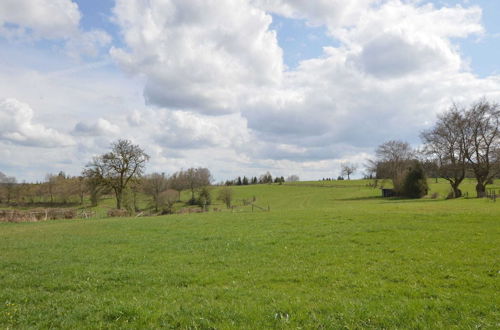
<point x="17" y="127"/>
<point x="51" y="19"/>
<point x="99" y="128"/>
<point x="201" y="56"/>
<point x="27" y="20"/>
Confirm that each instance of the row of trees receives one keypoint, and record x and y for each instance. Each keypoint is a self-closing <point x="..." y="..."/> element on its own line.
<point x="463" y="142"/>
<point x="56" y="189"/>
<point x="266" y="178"/>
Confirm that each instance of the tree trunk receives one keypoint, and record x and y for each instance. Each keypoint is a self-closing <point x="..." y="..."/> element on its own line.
<point x="119" y="196"/>
<point x="480" y="190"/>
<point x="457" y="193"/>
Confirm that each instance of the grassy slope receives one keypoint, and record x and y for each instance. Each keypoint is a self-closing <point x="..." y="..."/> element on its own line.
<point x="330" y="256"/>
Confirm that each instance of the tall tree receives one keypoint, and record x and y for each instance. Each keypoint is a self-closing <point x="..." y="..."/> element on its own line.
<point x="481" y="136"/>
<point x="117" y="168"/>
<point x="445" y="143"/>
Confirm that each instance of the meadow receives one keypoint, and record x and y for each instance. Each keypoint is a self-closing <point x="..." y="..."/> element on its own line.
<point x="327" y="255"/>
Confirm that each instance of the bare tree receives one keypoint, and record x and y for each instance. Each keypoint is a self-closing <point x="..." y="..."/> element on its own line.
<point x="116" y="169"/>
<point x="154" y="185"/>
<point x="196" y="178"/>
<point x="8" y="183"/>
<point x="445" y="143"/>
<point x="94" y="183"/>
<point x="393" y="160"/>
<point x="348" y="169"/>
<point x="481" y="136"/>
<point x="50" y="183"/>
<point x="226" y="196"/>
<point x="293" y="178"/>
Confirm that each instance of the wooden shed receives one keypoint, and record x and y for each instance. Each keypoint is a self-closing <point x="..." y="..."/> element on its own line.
<point x="388" y="192"/>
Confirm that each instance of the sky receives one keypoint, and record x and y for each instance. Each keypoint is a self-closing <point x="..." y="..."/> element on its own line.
<point x="239" y="86"/>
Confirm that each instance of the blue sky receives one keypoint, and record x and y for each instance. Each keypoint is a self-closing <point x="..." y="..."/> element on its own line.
<point x="208" y="84"/>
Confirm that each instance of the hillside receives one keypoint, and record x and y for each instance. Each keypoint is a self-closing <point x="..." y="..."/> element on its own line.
<point x="328" y="254"/>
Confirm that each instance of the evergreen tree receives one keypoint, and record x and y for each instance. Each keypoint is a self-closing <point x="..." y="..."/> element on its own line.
<point x="415" y="183"/>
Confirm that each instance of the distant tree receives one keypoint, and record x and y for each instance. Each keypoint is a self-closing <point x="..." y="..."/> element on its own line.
<point x="154" y="185"/>
<point x="225" y="195"/>
<point x="117" y="168"/>
<point x="178" y="182"/>
<point x="167" y="201"/>
<point x="254" y="180"/>
<point x="415" y="182"/>
<point x="266" y="178"/>
<point x="197" y="178"/>
<point x="245" y="181"/>
<point x="238" y="181"/>
<point x="347" y="169"/>
<point x="50" y="183"/>
<point x="95" y="184"/>
<point x="8" y="184"/>
<point x="293" y="178"/>
<point x="393" y="161"/>
<point x="204" y="197"/>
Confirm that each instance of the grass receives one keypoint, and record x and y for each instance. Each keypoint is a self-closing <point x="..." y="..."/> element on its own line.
<point x="328" y="255"/>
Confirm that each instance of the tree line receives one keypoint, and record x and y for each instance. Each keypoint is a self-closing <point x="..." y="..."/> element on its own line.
<point x="119" y="172"/>
<point x="266" y="178"/>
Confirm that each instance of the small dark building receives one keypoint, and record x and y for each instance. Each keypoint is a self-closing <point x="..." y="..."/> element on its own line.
<point x="388" y="192"/>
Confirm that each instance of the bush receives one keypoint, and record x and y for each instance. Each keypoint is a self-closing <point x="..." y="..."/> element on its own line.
<point x="204" y="198"/>
<point x="114" y="213"/>
<point x="167" y="200"/>
<point x="415" y="182"/>
<point x="226" y="196"/>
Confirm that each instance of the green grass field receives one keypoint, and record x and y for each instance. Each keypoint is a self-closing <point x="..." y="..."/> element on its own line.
<point x="327" y="255"/>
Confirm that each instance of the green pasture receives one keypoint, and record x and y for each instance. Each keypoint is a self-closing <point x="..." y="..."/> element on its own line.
<point x="327" y="255"/>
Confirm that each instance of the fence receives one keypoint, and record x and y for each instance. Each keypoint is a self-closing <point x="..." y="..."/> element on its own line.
<point x="492" y="194"/>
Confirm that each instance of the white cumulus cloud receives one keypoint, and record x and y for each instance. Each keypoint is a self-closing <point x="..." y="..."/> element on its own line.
<point x="17" y="127"/>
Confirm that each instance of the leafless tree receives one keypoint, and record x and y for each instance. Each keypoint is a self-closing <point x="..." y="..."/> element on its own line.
<point x="167" y="201"/>
<point x="116" y="169"/>
<point x="154" y="185"/>
<point x="226" y="196"/>
<point x="8" y="183"/>
<point x="393" y="160"/>
<point x="50" y="183"/>
<point x="348" y="169"/>
<point x="178" y="182"/>
<point x="445" y="143"/>
<point x="481" y="136"/>
<point x="197" y="178"/>
<point x="293" y="178"/>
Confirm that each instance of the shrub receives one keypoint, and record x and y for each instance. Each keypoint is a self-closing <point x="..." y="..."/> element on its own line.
<point x="204" y="198"/>
<point x="415" y="182"/>
<point x="114" y="213"/>
<point x="226" y="196"/>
